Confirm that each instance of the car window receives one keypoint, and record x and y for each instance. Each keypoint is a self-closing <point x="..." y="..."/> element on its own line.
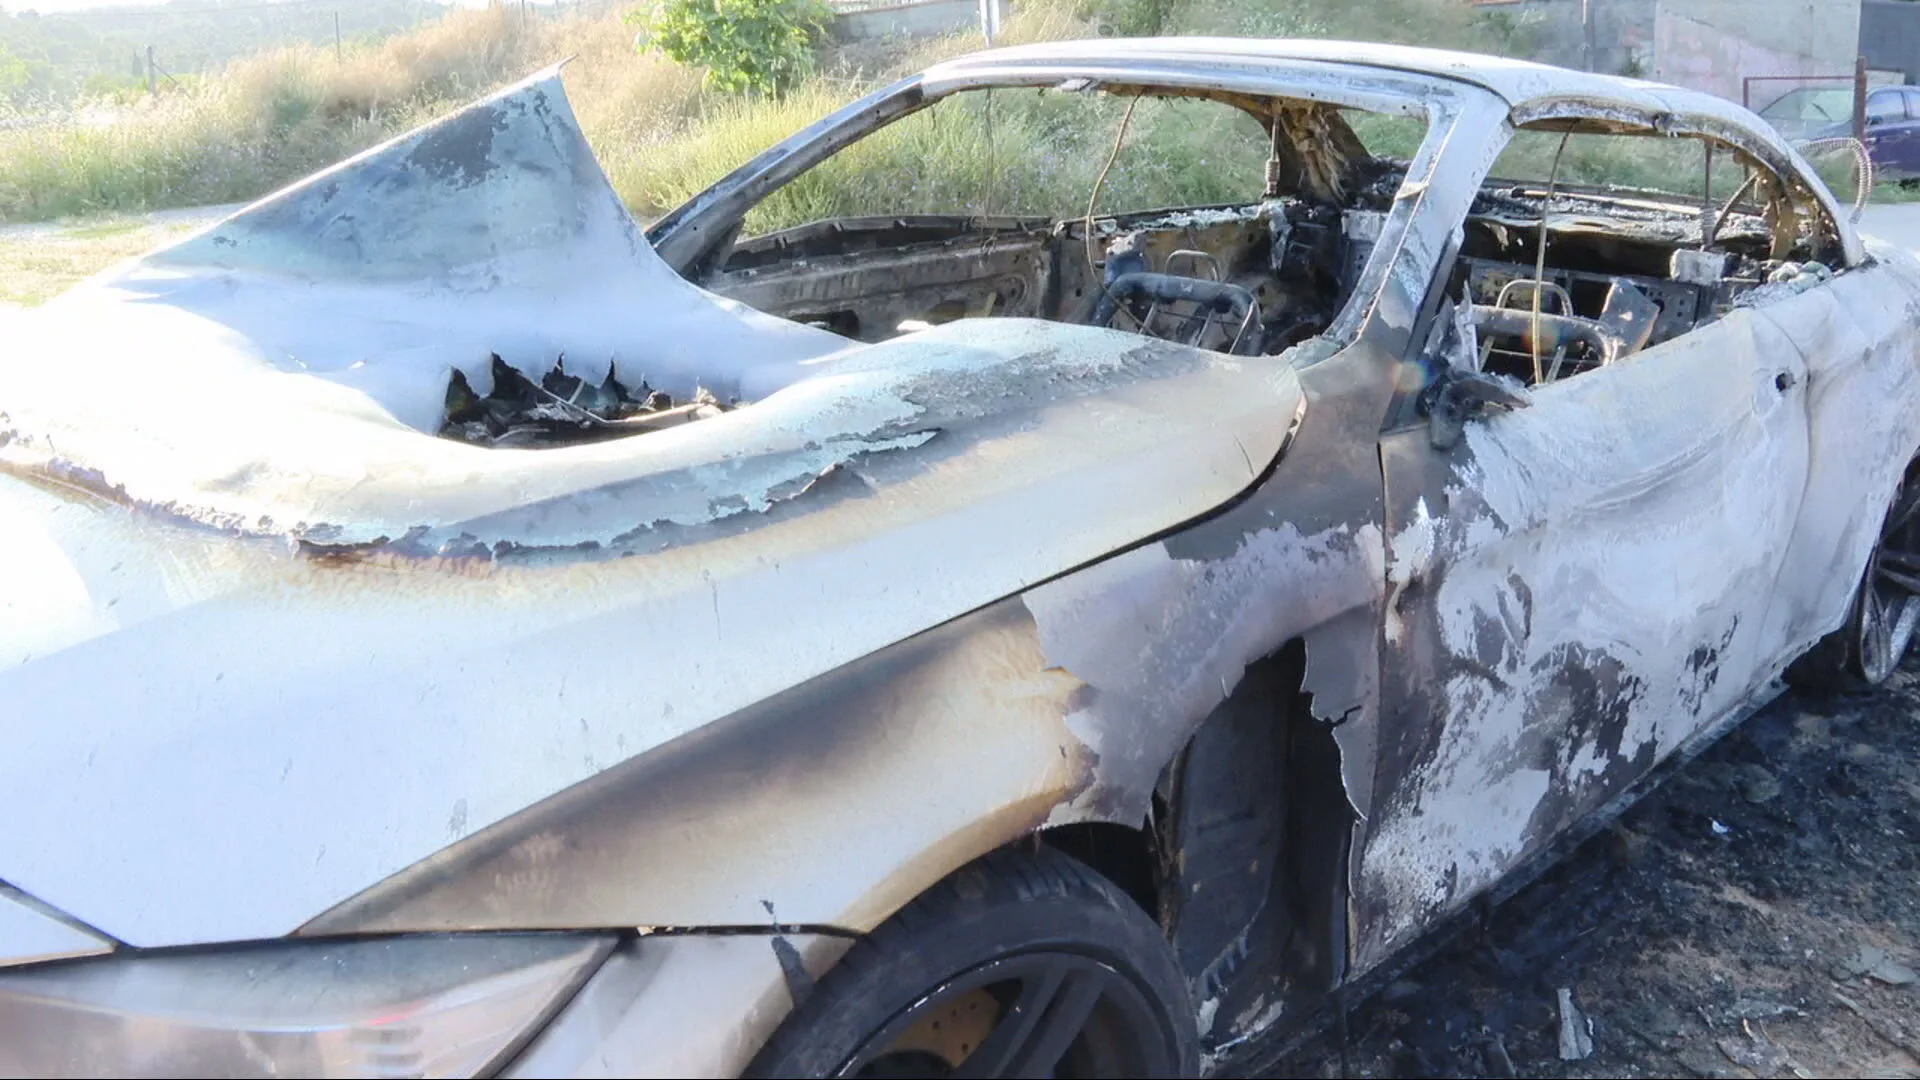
<point x="1640" y="162"/>
<point x="1034" y="152"/>
<point x="1912" y="98"/>
<point x="1808" y="105"/>
<point x="1648" y="238"/>
<point x="1886" y="105"/>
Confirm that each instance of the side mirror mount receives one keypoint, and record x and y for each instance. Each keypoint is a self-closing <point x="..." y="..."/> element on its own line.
<point x="1458" y="396"/>
<point x="1459" y="390"/>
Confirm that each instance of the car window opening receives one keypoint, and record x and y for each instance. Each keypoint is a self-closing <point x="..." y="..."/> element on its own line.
<point x="1239" y="228"/>
<point x="1183" y="219"/>
<point x="1647" y="238"/>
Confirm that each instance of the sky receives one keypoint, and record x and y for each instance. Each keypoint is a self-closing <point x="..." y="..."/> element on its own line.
<point x="49" y="7"/>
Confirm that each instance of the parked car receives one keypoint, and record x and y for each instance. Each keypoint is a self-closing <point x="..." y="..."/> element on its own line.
<point x="1808" y="115"/>
<point x="452" y="632"/>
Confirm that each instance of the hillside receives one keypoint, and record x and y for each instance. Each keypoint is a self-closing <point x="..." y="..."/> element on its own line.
<point x="55" y="58"/>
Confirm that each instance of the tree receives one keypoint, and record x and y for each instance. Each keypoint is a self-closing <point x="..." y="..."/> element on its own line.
<point x="14" y="74"/>
<point x="763" y="46"/>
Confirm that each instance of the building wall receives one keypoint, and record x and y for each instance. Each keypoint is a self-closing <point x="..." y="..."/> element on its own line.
<point x="1704" y="44"/>
<point x="909" y="18"/>
<point x="1713" y="44"/>
<point x="1619" y="41"/>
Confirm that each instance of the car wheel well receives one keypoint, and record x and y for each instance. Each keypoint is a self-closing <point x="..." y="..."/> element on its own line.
<point x="1122" y="855"/>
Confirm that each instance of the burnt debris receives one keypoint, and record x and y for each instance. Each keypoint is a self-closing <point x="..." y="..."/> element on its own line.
<point x="561" y="409"/>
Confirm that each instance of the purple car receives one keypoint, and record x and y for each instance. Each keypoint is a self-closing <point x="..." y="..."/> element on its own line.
<point x="1810" y="114"/>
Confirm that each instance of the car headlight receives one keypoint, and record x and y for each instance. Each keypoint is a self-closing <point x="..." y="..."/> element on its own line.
<point x="438" y="1005"/>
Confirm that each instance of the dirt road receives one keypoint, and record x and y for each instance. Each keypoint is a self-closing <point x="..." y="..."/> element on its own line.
<point x="1896" y="223"/>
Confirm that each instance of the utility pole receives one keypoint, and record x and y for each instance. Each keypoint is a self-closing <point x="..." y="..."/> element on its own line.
<point x="1860" y="99"/>
<point x="337" y="53"/>
<point x="990" y="20"/>
<point x="1586" y="34"/>
<point x="153" y="86"/>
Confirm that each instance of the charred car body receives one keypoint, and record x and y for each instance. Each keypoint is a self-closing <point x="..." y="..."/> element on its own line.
<point x="1089" y="686"/>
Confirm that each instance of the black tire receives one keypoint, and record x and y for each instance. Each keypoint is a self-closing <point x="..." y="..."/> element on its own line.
<point x="953" y="978"/>
<point x="1885" y="611"/>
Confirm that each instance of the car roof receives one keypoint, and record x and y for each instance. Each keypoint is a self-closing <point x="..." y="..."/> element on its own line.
<point x="1520" y="83"/>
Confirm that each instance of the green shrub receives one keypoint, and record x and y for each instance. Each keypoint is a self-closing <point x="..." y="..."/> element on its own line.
<point x="746" y="45"/>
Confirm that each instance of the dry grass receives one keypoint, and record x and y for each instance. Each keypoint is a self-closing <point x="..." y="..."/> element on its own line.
<point x="38" y="261"/>
<point x="272" y="118"/>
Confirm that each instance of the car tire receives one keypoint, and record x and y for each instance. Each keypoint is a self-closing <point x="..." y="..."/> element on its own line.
<point x="1885" y="611"/>
<point x="990" y="969"/>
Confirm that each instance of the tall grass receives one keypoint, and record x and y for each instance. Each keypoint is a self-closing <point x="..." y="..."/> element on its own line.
<point x="271" y="118"/>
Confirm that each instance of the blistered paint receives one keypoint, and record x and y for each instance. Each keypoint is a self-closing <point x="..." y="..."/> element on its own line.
<point x="1856" y="334"/>
<point x="502" y="625"/>
<point x="275" y="674"/>
<point x="1591" y="590"/>
<point x="1161" y="641"/>
<point x="1410" y="555"/>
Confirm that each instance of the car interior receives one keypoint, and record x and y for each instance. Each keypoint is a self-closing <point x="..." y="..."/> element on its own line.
<point x="1623" y="267"/>
<point x="1240" y="227"/>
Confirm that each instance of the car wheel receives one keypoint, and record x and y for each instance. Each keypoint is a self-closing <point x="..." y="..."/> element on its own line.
<point x="1886" y="605"/>
<point x="1018" y="965"/>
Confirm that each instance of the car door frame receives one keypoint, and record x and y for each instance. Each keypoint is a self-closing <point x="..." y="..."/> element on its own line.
<point x="1907" y="156"/>
<point x="1891" y="142"/>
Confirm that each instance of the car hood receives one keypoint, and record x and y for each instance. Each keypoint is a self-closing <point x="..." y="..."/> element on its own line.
<point x="267" y="642"/>
<point x="1810" y="131"/>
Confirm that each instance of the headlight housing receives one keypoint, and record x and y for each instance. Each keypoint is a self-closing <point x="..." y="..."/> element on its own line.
<point x="439" y="1005"/>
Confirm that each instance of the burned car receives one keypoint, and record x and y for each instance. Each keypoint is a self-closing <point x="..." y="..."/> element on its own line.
<point x="454" y="632"/>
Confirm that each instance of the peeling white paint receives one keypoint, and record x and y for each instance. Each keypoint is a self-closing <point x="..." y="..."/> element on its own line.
<point x="1407" y="558"/>
<point x="1205" y="1017"/>
<point x="333" y="722"/>
<point x="1621" y="537"/>
<point x="1163" y="640"/>
<point x="252" y="689"/>
<point x="1862" y="363"/>
<point x="1260" y="1015"/>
